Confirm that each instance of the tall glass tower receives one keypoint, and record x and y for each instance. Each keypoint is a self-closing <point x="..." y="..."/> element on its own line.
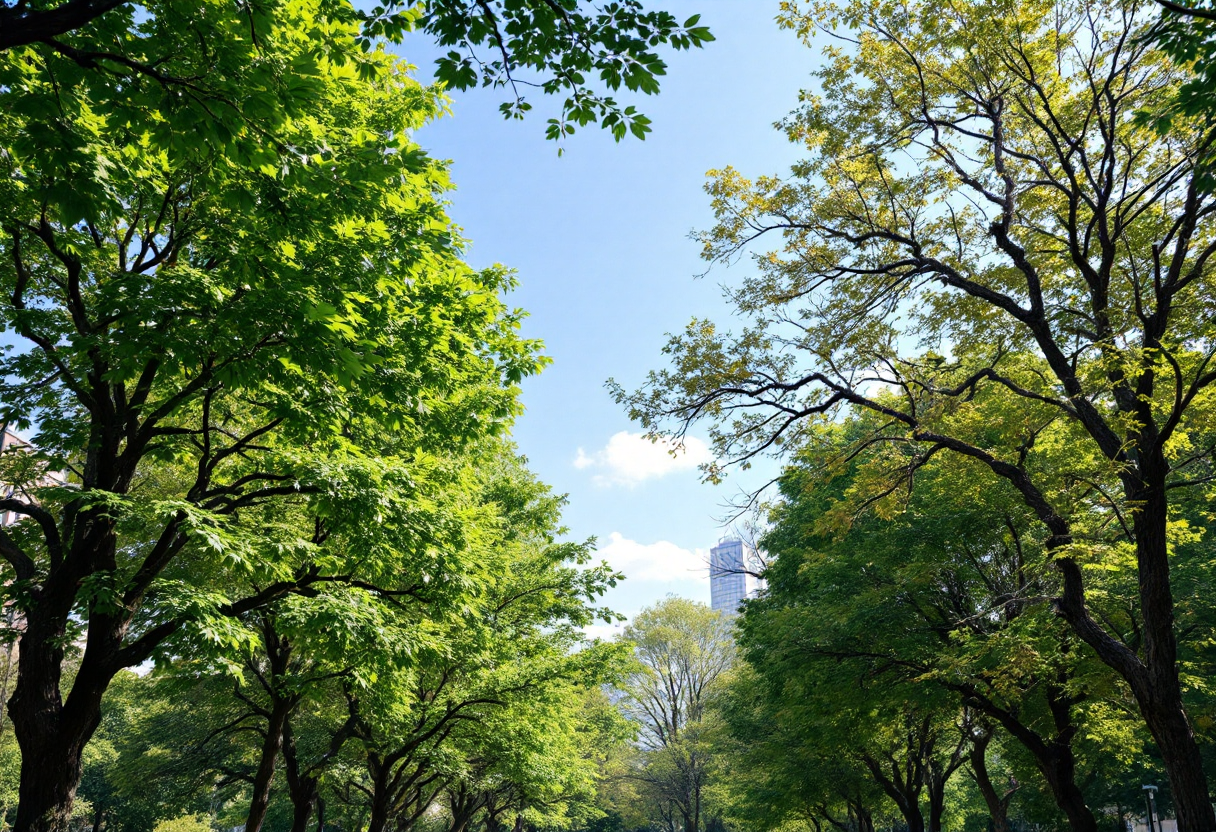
<point x="728" y="583"/>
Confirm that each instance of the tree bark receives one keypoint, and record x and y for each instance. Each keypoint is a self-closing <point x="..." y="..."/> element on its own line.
<point x="904" y="794"/>
<point x="998" y="806"/>
<point x="463" y="804"/>
<point x="301" y="811"/>
<point x="379" y="771"/>
<point x="51" y="733"/>
<point x="937" y="808"/>
<point x="272" y="744"/>
<point x="938" y="773"/>
<point x="1053" y="757"/>
<point x="1161" y="699"/>
<point x="301" y="786"/>
<point x="864" y="818"/>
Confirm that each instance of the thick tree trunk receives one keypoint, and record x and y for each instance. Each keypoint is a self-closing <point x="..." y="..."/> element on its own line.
<point x="1152" y="678"/>
<point x="301" y="811"/>
<point x="48" y="790"/>
<point x="378" y="822"/>
<point x="864" y="818"/>
<point x="1060" y="774"/>
<point x="904" y="793"/>
<point x="302" y="787"/>
<point x="1183" y="764"/>
<point x="913" y="817"/>
<point x="303" y="782"/>
<point x="272" y="744"/>
<point x="1160" y="697"/>
<point x="937" y="775"/>
<point x="51" y="733"/>
<point x="937" y="808"/>
<point x="463" y="804"/>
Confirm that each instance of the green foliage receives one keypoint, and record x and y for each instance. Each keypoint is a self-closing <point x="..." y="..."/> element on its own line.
<point x="1187" y="33"/>
<point x="200" y="72"/>
<point x="683" y="654"/>
<point x="612" y="47"/>
<point x="184" y="823"/>
<point x="990" y="252"/>
<point x="921" y="604"/>
<point x="482" y="688"/>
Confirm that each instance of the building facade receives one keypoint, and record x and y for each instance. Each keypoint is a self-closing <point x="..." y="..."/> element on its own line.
<point x="10" y="442"/>
<point x="729" y="582"/>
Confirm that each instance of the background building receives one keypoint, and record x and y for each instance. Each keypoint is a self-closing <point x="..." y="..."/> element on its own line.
<point x="10" y="442"/>
<point x="729" y="582"/>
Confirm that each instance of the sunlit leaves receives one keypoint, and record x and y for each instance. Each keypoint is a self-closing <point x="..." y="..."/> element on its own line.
<point x="569" y="47"/>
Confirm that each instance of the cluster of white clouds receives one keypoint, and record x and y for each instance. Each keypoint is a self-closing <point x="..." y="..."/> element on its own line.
<point x="662" y="561"/>
<point x="652" y="570"/>
<point x="631" y="458"/>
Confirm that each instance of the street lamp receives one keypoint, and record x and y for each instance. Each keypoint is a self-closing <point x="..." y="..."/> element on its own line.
<point x="1150" y="801"/>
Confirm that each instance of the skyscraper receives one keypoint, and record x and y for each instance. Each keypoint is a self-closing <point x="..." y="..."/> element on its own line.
<point x="729" y="584"/>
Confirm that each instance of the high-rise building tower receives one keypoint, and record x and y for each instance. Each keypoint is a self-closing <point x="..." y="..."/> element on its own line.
<point x="729" y="584"/>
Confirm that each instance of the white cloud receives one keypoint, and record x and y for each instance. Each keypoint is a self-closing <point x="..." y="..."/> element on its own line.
<point x="605" y="631"/>
<point x="631" y="458"/>
<point x="661" y="561"/>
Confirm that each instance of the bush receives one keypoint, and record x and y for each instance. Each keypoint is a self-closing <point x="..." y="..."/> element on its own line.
<point x="185" y="823"/>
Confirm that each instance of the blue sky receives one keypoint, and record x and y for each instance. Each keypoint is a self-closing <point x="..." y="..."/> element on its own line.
<point x="599" y="237"/>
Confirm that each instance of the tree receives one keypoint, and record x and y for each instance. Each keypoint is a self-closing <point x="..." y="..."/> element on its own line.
<point x="1187" y="33"/>
<point x="386" y="699"/>
<point x="209" y="339"/>
<point x="684" y="651"/>
<point x="935" y="589"/>
<point x="979" y="184"/>
<point x="494" y="696"/>
<point x="205" y="61"/>
<point x="779" y="774"/>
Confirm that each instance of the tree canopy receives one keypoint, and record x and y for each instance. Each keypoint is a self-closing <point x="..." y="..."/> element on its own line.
<point x="988" y="250"/>
<point x="206" y="61"/>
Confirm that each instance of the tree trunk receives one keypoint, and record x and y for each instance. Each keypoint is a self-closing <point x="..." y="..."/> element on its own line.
<point x="50" y="733"/>
<point x="696" y="805"/>
<point x="378" y="822"/>
<point x="301" y="812"/>
<point x="463" y="804"/>
<point x="1153" y="680"/>
<point x="937" y="775"/>
<point x="1161" y="701"/>
<point x="304" y="797"/>
<point x="303" y="782"/>
<point x="864" y="819"/>
<point x="998" y="806"/>
<point x="904" y="792"/>
<point x="937" y="808"/>
<point x="1183" y="765"/>
<point x="1054" y="757"/>
<point x="272" y="744"/>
